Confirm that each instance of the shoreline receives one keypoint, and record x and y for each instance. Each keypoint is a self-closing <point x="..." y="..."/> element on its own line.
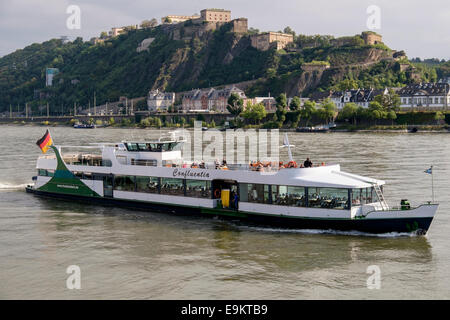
<point x="380" y="129"/>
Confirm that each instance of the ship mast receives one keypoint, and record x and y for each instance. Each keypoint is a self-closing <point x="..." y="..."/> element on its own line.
<point x="287" y="145"/>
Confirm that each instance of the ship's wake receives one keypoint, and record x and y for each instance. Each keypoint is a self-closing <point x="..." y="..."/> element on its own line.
<point x="12" y="186"/>
<point x="334" y="232"/>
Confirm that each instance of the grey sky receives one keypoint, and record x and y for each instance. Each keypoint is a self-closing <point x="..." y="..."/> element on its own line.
<point x="421" y="28"/>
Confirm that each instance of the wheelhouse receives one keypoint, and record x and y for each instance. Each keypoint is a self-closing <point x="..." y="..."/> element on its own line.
<point x="152" y="146"/>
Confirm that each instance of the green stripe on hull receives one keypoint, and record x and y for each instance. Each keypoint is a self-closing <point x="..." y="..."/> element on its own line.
<point x="64" y="181"/>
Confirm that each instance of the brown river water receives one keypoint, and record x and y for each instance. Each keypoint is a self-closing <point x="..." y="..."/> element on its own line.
<point x="128" y="254"/>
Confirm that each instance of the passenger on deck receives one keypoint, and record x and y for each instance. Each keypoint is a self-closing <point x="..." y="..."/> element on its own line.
<point x="307" y="163"/>
<point x="236" y="200"/>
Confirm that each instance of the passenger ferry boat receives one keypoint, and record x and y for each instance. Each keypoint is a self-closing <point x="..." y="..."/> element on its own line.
<point x="152" y="175"/>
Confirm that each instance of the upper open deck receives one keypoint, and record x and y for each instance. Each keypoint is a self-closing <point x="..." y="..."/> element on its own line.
<point x="168" y="162"/>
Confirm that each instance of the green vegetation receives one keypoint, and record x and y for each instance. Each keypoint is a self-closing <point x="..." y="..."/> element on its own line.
<point x="317" y="63"/>
<point x="295" y="103"/>
<point x="113" y="68"/>
<point x="309" y="108"/>
<point x="254" y="112"/>
<point x="327" y="111"/>
<point x="235" y="105"/>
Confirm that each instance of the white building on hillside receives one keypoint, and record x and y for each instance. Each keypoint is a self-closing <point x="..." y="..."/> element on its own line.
<point x="361" y="97"/>
<point x="157" y="100"/>
<point x="425" y="96"/>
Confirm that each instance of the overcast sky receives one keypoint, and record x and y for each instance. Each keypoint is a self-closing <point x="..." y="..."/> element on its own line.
<point x="421" y="28"/>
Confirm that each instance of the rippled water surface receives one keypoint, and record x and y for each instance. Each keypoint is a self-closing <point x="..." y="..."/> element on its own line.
<point x="130" y="254"/>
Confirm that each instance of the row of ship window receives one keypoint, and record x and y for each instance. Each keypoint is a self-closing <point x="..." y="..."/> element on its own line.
<point x="332" y="198"/>
<point x="169" y="186"/>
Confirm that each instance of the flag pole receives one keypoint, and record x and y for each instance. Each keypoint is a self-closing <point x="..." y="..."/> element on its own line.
<point x="432" y="184"/>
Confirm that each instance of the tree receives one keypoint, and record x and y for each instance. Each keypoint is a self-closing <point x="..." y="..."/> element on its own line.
<point x="78" y="41"/>
<point x="281" y="109"/>
<point x="389" y="101"/>
<point x="296" y="118"/>
<point x="157" y="122"/>
<point x="391" y="115"/>
<point x="347" y="84"/>
<point x="309" y="109"/>
<point x="289" y="31"/>
<point x="141" y="105"/>
<point x="349" y="111"/>
<point x="255" y="112"/>
<point x="149" y="23"/>
<point x="235" y="105"/>
<point x="103" y="35"/>
<point x="295" y="104"/>
<point x="376" y="111"/>
<point x="281" y="100"/>
<point x="275" y="118"/>
<point x="439" y="116"/>
<point x="271" y="73"/>
<point x="327" y="110"/>
<point x="145" y="122"/>
<point x="362" y="112"/>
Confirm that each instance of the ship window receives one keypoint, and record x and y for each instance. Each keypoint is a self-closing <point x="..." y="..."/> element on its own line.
<point x="147" y="184"/>
<point x="363" y="196"/>
<point x="98" y="177"/>
<point x="198" y="188"/>
<point x="124" y="183"/>
<point x="289" y="196"/>
<point x="106" y="163"/>
<point x="142" y="147"/>
<point x="87" y="176"/>
<point x="167" y="146"/>
<point x="331" y="198"/>
<point x="131" y="146"/>
<point x="78" y="174"/>
<point x="243" y="192"/>
<point x="143" y="162"/>
<point x="258" y="193"/>
<point x="172" y="186"/>
<point x="46" y="173"/>
<point x="279" y="194"/>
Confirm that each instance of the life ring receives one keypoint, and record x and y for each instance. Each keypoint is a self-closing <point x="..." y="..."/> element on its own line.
<point x="217" y="193"/>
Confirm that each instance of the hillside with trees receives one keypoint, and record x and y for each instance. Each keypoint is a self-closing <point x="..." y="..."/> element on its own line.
<point x="114" y="68"/>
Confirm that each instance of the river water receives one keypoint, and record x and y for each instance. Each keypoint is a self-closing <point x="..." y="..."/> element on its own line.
<point x="127" y="254"/>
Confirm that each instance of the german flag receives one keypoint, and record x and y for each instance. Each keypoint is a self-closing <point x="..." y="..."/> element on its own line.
<point x="45" y="142"/>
